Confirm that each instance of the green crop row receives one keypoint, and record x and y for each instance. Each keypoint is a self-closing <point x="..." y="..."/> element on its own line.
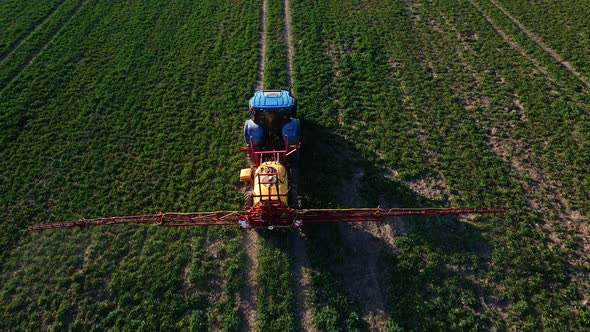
<point x="275" y="74"/>
<point x="559" y="128"/>
<point x="332" y="307"/>
<point x="18" y="19"/>
<point x="275" y="309"/>
<point x="504" y="79"/>
<point x="132" y="108"/>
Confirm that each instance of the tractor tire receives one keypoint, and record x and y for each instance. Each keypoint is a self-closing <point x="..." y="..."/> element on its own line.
<point x="248" y="199"/>
<point x="294" y="185"/>
<point x="250" y="160"/>
<point x="293" y="159"/>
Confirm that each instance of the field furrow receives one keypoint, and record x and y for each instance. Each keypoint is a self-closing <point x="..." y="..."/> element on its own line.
<point x="262" y="45"/>
<point x="248" y="294"/>
<point x="562" y="26"/>
<point x="19" y="20"/>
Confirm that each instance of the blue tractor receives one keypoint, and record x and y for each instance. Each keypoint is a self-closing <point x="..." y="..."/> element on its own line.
<point x="273" y="129"/>
<point x="273" y="120"/>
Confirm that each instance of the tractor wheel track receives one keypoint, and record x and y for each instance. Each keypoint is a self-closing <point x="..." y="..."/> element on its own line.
<point x="262" y="45"/>
<point x="247" y="300"/>
<point x="27" y="35"/>
<point x="289" y="41"/>
<point x="301" y="262"/>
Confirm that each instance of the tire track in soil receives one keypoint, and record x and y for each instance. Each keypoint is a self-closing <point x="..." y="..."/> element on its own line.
<point x="26" y="36"/>
<point x="364" y="244"/>
<point x="301" y="262"/>
<point x="247" y="300"/>
<point x="262" y="45"/>
<point x="556" y="56"/>
<point x="302" y="280"/>
<point x="74" y="12"/>
<point x="289" y="41"/>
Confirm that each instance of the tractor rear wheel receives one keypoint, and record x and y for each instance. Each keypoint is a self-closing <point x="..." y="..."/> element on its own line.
<point x="248" y="199"/>
<point x="294" y="186"/>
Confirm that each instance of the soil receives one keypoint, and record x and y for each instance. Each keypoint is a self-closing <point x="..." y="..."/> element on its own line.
<point x="361" y="271"/>
<point x="289" y="39"/>
<point x="543" y="194"/>
<point x="300" y="260"/>
<point x="247" y="299"/>
<point x="365" y="245"/>
<point x="262" y="51"/>
<point x="301" y="274"/>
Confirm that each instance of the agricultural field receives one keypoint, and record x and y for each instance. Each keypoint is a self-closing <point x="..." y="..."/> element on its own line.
<point x="116" y="108"/>
<point x="130" y="108"/>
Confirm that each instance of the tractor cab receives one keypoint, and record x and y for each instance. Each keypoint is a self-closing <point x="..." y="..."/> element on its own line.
<point x="272" y="108"/>
<point x="272" y="118"/>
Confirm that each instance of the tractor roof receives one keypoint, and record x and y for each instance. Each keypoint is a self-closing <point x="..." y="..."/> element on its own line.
<point x="272" y="99"/>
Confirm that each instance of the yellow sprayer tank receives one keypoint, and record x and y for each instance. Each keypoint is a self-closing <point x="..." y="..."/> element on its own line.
<point x="270" y="178"/>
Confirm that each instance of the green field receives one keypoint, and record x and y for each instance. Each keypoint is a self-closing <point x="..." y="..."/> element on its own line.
<point x="115" y="108"/>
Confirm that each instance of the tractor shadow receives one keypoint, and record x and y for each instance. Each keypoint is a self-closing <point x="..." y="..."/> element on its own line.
<point x="369" y="276"/>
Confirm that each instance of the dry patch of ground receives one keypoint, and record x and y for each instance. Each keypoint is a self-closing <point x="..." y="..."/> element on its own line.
<point x="247" y="299"/>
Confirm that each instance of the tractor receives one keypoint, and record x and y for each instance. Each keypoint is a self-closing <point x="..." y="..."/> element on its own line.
<point x="272" y="192"/>
<point x="273" y="137"/>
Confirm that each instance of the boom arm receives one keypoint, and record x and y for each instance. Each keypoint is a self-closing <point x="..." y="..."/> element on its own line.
<point x="263" y="218"/>
<point x="378" y="214"/>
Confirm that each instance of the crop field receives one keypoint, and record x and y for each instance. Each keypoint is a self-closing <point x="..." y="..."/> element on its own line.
<point x="117" y="108"/>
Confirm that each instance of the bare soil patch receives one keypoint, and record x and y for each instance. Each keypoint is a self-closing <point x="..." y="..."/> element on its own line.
<point x="362" y="275"/>
<point x="289" y="39"/>
<point x="301" y="274"/>
<point x="262" y="45"/>
<point x="364" y="244"/>
<point x="247" y="299"/>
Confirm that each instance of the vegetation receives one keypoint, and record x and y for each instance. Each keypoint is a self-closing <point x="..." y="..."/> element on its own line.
<point x="123" y="108"/>
<point x="38" y="40"/>
<point x="18" y="19"/>
<point x="275" y="310"/>
<point x="275" y="75"/>
<point x="562" y="26"/>
<point x="427" y="96"/>
<point x="132" y="108"/>
<point x="276" y="289"/>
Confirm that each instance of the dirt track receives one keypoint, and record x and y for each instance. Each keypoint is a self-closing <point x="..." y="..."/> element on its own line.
<point x="250" y="241"/>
